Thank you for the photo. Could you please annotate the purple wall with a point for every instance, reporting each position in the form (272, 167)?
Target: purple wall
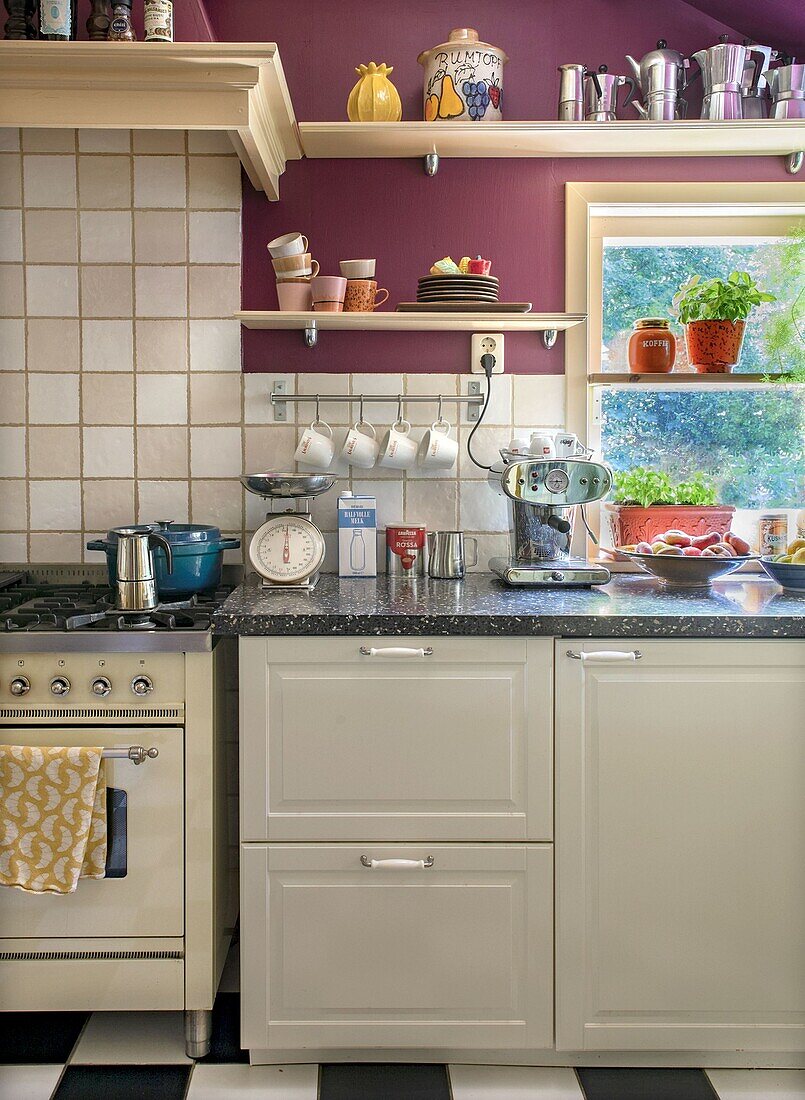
(511, 211)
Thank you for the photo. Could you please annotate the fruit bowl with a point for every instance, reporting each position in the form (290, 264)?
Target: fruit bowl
(677, 571)
(788, 574)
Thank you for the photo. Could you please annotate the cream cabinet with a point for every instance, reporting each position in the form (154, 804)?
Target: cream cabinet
(681, 845)
(425, 946)
(390, 739)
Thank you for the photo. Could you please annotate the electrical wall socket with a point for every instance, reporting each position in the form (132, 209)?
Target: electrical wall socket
(487, 343)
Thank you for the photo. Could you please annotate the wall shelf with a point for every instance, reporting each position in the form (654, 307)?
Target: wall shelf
(632, 138)
(681, 378)
(231, 87)
(311, 323)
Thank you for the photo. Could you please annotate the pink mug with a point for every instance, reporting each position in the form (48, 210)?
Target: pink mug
(328, 293)
(294, 297)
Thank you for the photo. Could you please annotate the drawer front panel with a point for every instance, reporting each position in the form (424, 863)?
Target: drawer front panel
(397, 954)
(456, 746)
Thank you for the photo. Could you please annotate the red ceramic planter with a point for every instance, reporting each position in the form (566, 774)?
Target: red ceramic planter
(714, 347)
(632, 524)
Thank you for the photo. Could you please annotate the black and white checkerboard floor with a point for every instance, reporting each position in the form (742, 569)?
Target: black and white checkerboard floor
(140, 1056)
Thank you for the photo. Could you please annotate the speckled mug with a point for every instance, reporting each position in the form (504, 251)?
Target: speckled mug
(362, 296)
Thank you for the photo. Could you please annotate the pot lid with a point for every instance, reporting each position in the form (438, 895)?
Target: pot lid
(177, 534)
(462, 36)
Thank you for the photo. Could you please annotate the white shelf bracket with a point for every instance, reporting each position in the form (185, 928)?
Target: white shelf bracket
(431, 164)
(793, 162)
(549, 337)
(311, 335)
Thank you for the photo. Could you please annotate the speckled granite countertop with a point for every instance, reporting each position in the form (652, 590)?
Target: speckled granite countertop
(627, 607)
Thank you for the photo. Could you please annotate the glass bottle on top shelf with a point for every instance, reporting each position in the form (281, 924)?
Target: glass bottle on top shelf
(121, 29)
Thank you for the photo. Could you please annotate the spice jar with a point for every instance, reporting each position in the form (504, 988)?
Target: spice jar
(652, 346)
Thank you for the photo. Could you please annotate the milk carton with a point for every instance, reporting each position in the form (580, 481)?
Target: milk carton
(357, 536)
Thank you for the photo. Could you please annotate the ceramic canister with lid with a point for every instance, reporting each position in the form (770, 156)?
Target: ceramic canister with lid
(652, 346)
(463, 79)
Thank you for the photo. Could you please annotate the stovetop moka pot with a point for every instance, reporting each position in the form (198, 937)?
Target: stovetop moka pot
(135, 582)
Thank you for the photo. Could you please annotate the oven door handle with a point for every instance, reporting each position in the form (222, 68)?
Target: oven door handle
(137, 754)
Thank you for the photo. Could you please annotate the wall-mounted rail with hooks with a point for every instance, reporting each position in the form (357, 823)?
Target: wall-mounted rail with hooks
(279, 399)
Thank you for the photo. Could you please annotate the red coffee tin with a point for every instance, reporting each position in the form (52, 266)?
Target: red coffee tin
(406, 549)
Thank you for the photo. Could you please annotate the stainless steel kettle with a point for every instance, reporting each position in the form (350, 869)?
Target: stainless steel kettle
(661, 77)
(135, 582)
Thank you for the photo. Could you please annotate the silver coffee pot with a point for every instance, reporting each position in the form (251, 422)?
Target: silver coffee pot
(661, 77)
(754, 87)
(787, 86)
(601, 94)
(722, 69)
(571, 92)
(135, 581)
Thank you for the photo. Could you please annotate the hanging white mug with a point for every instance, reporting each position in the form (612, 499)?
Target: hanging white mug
(398, 450)
(437, 451)
(316, 447)
(360, 447)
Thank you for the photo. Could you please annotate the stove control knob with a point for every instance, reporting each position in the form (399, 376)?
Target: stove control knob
(142, 685)
(557, 575)
(60, 685)
(101, 686)
(20, 685)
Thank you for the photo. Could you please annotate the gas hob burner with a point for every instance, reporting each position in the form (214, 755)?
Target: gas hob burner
(32, 608)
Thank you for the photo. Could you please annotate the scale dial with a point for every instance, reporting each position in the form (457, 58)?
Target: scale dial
(287, 549)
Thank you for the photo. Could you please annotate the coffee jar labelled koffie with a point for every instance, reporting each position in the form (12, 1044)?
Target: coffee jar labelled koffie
(652, 346)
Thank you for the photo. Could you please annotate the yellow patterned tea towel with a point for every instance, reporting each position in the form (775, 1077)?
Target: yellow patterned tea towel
(52, 817)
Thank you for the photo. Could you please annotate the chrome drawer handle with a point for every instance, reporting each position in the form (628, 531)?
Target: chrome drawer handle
(137, 754)
(606, 656)
(396, 651)
(397, 864)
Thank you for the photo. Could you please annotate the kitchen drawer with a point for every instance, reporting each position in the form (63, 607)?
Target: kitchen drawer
(458, 954)
(414, 739)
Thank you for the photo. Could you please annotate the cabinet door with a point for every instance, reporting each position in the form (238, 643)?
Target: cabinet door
(681, 846)
(396, 739)
(457, 954)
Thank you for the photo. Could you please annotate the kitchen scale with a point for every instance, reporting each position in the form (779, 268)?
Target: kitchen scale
(287, 551)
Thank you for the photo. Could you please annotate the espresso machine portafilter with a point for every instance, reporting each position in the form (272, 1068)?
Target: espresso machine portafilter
(543, 495)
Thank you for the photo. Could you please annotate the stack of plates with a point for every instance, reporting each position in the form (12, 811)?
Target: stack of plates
(457, 288)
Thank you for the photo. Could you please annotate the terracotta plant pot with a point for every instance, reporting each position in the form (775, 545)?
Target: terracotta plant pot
(632, 524)
(714, 347)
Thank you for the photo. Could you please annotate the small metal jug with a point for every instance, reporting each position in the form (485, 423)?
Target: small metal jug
(446, 559)
(136, 585)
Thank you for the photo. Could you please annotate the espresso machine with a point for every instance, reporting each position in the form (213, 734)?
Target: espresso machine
(543, 495)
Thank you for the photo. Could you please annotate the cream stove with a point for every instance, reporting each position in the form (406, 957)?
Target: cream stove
(161, 699)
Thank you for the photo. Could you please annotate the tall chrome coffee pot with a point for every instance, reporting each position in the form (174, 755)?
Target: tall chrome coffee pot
(135, 581)
(722, 68)
(571, 92)
(754, 87)
(787, 85)
(661, 77)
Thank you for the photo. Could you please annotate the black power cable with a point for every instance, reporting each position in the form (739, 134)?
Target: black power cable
(488, 363)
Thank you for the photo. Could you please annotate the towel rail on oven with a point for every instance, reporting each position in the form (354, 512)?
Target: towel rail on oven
(137, 754)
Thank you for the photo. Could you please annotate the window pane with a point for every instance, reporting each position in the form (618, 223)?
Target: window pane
(640, 280)
(751, 441)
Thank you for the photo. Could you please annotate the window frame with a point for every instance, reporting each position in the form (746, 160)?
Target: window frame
(672, 205)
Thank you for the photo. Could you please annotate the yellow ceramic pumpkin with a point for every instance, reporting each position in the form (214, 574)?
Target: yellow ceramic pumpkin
(374, 98)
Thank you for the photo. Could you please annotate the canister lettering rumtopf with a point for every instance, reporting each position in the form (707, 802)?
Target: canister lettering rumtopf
(405, 549)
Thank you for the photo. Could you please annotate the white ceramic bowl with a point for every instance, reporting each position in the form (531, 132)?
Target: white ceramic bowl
(358, 269)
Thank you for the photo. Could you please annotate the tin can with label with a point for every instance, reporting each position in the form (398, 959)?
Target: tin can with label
(406, 549)
(158, 19)
(773, 533)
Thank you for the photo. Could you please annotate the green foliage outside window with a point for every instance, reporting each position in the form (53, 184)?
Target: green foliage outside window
(750, 442)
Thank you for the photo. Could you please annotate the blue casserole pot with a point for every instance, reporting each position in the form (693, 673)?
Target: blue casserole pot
(198, 552)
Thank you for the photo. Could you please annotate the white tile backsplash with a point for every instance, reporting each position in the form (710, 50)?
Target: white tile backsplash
(122, 299)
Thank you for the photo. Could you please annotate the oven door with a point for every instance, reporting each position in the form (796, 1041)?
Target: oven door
(143, 893)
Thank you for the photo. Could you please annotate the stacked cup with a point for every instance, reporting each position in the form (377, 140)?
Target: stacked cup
(361, 293)
(294, 269)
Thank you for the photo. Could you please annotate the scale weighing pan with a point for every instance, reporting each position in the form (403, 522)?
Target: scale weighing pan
(277, 485)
